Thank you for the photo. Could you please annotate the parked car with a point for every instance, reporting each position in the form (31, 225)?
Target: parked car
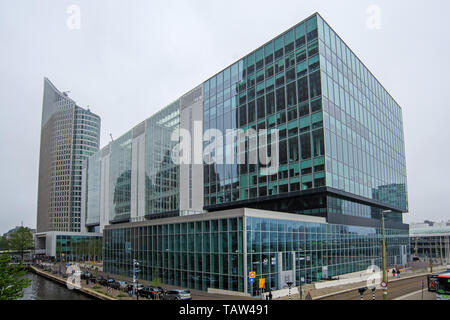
(110, 282)
(149, 292)
(139, 286)
(123, 285)
(146, 292)
(101, 281)
(161, 290)
(86, 275)
(177, 295)
(93, 278)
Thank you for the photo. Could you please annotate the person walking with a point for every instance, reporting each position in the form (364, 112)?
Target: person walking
(398, 273)
(393, 272)
(270, 295)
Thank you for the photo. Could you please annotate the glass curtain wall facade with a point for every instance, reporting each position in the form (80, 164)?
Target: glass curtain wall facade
(78, 248)
(197, 255)
(110, 171)
(162, 175)
(309, 247)
(275, 87)
(85, 144)
(93, 194)
(365, 152)
(340, 132)
(219, 253)
(120, 178)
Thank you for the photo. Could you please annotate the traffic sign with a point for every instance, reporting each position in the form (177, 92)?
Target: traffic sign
(252, 274)
(252, 280)
(384, 284)
(262, 282)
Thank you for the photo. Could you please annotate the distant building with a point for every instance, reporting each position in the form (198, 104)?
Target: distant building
(430, 239)
(69, 135)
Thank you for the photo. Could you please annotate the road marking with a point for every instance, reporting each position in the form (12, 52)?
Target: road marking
(408, 295)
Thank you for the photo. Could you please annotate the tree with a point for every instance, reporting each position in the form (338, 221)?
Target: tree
(21, 240)
(12, 281)
(4, 244)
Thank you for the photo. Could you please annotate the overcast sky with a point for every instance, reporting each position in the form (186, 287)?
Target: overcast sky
(129, 59)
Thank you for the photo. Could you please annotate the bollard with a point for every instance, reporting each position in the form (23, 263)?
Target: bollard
(361, 292)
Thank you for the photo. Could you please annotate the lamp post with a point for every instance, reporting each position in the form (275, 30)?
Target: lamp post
(385, 276)
(302, 279)
(135, 265)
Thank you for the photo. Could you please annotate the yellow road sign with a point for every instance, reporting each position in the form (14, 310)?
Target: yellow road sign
(262, 282)
(252, 274)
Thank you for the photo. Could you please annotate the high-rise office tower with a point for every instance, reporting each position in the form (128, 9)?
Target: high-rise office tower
(341, 167)
(69, 134)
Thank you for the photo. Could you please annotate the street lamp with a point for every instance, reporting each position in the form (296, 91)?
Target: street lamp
(135, 265)
(302, 279)
(385, 276)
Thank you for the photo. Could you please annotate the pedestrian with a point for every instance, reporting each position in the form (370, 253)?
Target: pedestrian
(270, 295)
(398, 273)
(393, 272)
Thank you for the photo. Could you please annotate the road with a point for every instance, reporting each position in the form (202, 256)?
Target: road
(419, 295)
(396, 289)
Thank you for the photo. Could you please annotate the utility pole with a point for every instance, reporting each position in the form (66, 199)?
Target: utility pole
(385, 276)
(440, 245)
(301, 289)
(448, 250)
(431, 256)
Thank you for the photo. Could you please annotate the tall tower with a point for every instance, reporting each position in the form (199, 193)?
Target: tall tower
(69, 134)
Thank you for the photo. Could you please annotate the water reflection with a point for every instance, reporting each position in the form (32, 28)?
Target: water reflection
(44, 289)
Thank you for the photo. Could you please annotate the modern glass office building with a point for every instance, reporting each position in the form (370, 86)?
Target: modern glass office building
(218, 250)
(341, 165)
(341, 144)
(133, 177)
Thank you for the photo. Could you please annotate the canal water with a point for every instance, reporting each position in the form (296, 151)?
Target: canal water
(43, 289)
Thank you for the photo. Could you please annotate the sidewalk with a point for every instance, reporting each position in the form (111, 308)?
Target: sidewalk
(329, 291)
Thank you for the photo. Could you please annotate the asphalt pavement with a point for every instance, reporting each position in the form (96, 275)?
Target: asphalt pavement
(396, 289)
